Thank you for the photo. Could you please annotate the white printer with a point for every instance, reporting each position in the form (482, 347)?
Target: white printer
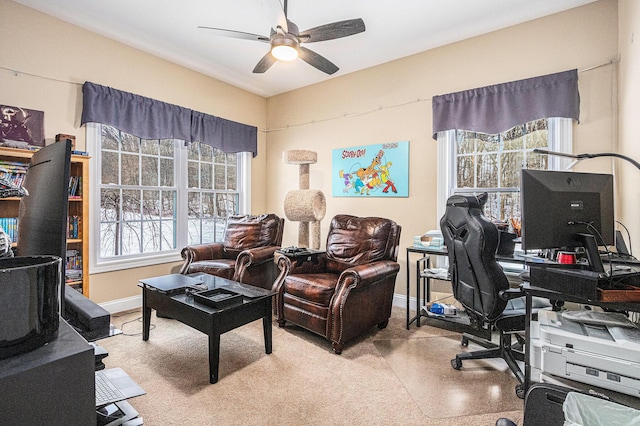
(598, 348)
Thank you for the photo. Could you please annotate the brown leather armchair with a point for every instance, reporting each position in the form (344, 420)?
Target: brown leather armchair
(245, 255)
(345, 291)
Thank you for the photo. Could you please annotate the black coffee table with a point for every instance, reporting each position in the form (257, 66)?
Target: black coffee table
(254, 304)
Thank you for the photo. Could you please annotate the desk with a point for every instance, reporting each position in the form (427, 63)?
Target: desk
(51, 385)
(425, 262)
(426, 282)
(531, 291)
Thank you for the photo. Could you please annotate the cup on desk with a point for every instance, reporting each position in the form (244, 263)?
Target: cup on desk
(566, 257)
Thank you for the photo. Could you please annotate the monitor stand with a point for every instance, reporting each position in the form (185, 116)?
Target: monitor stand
(593, 255)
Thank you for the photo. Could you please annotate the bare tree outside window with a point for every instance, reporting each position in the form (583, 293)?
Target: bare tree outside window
(492, 163)
(139, 193)
(212, 192)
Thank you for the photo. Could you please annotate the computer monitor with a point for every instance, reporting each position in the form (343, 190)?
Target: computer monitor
(567, 209)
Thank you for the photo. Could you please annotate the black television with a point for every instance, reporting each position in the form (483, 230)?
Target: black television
(567, 210)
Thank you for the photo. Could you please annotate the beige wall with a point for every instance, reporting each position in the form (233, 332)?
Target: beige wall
(629, 113)
(54, 58)
(579, 38)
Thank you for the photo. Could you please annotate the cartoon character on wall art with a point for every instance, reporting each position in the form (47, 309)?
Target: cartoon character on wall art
(380, 170)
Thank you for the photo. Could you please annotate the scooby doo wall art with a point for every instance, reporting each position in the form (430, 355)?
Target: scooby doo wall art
(380, 170)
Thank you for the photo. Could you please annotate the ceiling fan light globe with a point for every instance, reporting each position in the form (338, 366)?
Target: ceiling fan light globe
(284, 53)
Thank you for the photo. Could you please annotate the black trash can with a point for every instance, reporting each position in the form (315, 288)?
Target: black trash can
(29, 302)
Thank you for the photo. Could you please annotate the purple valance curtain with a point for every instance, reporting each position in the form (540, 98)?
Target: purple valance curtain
(152, 119)
(495, 109)
(226, 135)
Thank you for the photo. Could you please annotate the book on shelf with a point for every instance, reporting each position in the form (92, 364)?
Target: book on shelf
(75, 226)
(10, 226)
(75, 185)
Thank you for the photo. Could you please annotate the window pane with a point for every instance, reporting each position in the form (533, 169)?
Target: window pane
(151, 205)
(109, 168)
(167, 148)
(466, 175)
(487, 171)
(130, 143)
(149, 146)
(109, 205)
(511, 163)
(131, 237)
(193, 205)
(168, 239)
(130, 169)
(206, 153)
(193, 175)
(193, 230)
(151, 236)
(149, 171)
(206, 181)
(110, 137)
(168, 204)
(232, 179)
(108, 239)
(194, 151)
(220, 177)
(166, 172)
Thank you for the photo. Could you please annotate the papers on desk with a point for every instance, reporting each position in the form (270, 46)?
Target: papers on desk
(436, 273)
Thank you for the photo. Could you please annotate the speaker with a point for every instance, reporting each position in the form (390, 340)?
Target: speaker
(90, 319)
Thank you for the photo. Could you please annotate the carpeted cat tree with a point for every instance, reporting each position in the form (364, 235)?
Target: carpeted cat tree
(307, 206)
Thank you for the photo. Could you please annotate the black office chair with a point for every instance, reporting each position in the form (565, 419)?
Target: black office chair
(481, 286)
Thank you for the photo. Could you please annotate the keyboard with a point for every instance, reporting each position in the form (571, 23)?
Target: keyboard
(106, 392)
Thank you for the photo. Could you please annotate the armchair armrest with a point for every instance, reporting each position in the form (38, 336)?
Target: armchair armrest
(364, 275)
(200, 252)
(253, 256)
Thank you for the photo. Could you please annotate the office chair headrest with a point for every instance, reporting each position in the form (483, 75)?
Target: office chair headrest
(471, 201)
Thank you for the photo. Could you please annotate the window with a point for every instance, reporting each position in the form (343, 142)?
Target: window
(150, 198)
(212, 192)
(472, 163)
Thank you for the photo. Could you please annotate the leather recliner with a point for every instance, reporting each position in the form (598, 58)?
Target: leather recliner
(245, 255)
(345, 291)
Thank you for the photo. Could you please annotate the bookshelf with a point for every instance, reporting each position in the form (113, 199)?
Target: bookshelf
(77, 269)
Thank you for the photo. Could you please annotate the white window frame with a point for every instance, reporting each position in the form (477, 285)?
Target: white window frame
(97, 265)
(559, 134)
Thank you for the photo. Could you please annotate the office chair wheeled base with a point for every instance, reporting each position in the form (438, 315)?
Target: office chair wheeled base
(504, 350)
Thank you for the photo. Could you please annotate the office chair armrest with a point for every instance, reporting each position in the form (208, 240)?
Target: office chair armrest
(511, 293)
(200, 252)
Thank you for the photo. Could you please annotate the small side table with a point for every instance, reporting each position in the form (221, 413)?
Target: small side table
(300, 254)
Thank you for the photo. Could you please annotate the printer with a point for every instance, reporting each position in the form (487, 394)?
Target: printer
(598, 348)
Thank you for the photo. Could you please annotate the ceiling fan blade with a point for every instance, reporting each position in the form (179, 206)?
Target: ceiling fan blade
(276, 13)
(236, 34)
(332, 31)
(264, 63)
(317, 61)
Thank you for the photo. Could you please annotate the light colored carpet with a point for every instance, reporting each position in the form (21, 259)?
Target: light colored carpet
(387, 377)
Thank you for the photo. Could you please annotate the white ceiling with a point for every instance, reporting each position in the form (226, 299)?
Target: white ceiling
(394, 29)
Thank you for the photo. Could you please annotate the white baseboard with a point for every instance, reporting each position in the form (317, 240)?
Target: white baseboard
(122, 305)
(134, 302)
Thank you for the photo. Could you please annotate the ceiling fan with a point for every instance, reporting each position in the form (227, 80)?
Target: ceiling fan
(286, 40)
